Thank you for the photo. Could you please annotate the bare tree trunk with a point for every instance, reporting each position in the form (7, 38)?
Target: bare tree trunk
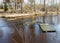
(57, 7)
(15, 6)
(40, 4)
(44, 14)
(57, 11)
(31, 7)
(21, 8)
(34, 6)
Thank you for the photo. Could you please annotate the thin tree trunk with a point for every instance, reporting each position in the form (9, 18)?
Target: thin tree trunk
(21, 8)
(40, 4)
(44, 5)
(31, 7)
(57, 11)
(57, 7)
(44, 14)
(15, 5)
(34, 6)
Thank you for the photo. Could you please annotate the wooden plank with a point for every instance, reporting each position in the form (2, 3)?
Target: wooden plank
(47, 28)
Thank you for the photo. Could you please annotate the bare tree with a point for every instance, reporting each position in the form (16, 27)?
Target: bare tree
(21, 2)
(32, 3)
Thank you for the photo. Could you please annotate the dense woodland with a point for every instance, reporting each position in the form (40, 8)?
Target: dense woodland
(31, 5)
(20, 6)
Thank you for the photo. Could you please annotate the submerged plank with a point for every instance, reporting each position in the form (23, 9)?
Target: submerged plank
(47, 28)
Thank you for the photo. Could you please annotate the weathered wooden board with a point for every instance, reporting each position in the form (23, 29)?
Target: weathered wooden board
(47, 28)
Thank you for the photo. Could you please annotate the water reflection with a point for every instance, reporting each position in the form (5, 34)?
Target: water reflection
(57, 35)
(5, 30)
(37, 30)
(57, 27)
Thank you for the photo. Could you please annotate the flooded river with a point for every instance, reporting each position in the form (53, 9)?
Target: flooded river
(17, 32)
